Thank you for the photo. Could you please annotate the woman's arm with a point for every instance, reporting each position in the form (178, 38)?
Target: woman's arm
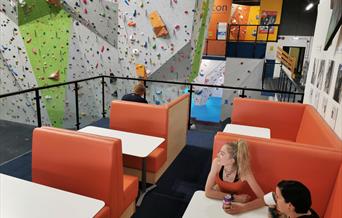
(210, 192)
(257, 203)
(254, 185)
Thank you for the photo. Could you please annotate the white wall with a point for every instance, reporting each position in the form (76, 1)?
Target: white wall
(316, 92)
(292, 41)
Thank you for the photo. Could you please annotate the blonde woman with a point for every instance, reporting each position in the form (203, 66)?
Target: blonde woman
(231, 174)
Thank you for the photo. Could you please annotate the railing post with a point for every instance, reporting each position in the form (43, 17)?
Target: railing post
(301, 99)
(76, 103)
(39, 117)
(145, 84)
(227, 41)
(268, 32)
(288, 95)
(255, 41)
(189, 115)
(103, 98)
(263, 75)
(237, 42)
(243, 94)
(294, 95)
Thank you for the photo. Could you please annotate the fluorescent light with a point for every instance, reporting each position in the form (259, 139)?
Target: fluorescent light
(309, 6)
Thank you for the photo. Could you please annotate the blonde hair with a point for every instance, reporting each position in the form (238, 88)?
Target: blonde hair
(139, 88)
(239, 151)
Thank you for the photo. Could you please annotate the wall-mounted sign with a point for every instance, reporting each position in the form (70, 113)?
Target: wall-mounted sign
(221, 31)
(267, 18)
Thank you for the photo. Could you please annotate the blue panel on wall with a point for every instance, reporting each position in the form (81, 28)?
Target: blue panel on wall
(246, 50)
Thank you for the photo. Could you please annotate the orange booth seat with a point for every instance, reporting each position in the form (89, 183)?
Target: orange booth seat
(84, 164)
(320, 170)
(293, 123)
(168, 121)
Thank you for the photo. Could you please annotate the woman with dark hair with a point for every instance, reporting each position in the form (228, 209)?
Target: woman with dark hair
(293, 199)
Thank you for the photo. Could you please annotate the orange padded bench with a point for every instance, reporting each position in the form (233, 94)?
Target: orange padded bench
(320, 170)
(84, 164)
(292, 123)
(168, 121)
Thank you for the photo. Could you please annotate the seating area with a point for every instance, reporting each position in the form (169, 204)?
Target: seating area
(84, 164)
(319, 170)
(169, 121)
(292, 124)
(95, 165)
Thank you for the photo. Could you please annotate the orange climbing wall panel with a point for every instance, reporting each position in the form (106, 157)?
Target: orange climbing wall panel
(140, 70)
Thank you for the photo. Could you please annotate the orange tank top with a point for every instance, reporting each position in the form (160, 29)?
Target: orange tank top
(236, 187)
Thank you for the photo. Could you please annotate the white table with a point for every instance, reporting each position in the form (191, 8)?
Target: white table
(20, 198)
(202, 207)
(133, 144)
(248, 130)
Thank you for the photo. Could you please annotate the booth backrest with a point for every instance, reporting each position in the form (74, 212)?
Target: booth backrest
(178, 116)
(86, 165)
(139, 118)
(272, 163)
(163, 121)
(283, 119)
(334, 207)
(315, 131)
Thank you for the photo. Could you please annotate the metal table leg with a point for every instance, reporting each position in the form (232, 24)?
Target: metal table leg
(144, 190)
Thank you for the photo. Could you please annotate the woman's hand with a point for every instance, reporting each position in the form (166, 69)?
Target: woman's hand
(243, 198)
(233, 208)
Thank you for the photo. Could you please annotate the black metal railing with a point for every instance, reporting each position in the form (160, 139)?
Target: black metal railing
(232, 38)
(266, 68)
(287, 84)
(37, 90)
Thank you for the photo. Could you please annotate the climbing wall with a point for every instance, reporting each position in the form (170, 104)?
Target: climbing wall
(175, 69)
(89, 56)
(99, 16)
(201, 20)
(241, 72)
(73, 40)
(165, 57)
(10, 9)
(16, 75)
(46, 40)
(211, 73)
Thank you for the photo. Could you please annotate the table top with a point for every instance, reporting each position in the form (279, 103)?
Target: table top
(20, 198)
(202, 207)
(137, 145)
(248, 130)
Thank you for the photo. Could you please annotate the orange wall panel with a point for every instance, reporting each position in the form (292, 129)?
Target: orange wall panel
(220, 13)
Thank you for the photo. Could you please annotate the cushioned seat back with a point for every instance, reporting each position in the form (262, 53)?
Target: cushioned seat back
(274, 162)
(283, 119)
(334, 208)
(139, 118)
(86, 165)
(314, 130)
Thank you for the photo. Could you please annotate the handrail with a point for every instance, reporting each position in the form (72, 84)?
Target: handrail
(286, 59)
(102, 77)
